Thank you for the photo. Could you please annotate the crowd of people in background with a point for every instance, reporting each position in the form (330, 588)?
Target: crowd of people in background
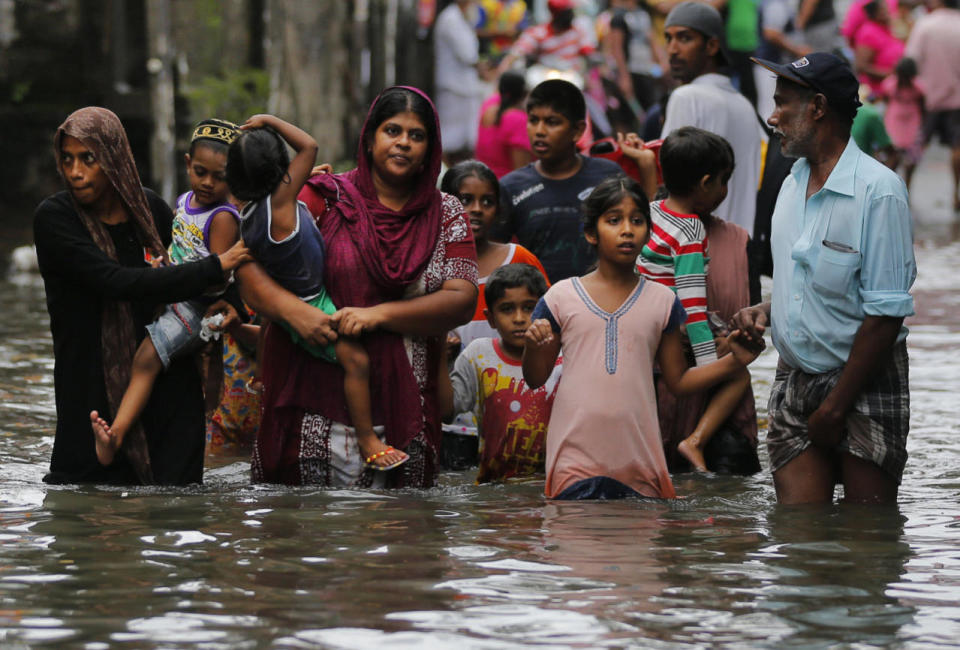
(556, 260)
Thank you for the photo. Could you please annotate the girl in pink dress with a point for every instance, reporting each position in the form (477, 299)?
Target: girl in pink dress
(904, 115)
(614, 327)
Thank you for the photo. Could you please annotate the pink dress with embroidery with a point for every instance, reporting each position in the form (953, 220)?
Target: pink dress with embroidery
(604, 419)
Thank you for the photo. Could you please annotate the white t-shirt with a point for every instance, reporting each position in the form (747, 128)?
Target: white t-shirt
(710, 102)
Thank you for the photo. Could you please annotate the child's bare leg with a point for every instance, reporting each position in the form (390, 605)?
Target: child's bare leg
(356, 387)
(721, 406)
(109, 438)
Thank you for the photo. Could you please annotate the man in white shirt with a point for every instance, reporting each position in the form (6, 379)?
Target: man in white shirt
(458, 90)
(694, 34)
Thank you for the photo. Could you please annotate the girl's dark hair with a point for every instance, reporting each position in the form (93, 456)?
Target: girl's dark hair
(512, 88)
(511, 276)
(871, 8)
(458, 173)
(257, 161)
(608, 194)
(906, 70)
(400, 100)
(688, 154)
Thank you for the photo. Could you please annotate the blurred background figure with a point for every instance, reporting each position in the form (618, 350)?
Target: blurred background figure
(876, 49)
(935, 45)
(818, 22)
(499, 23)
(502, 142)
(779, 42)
(458, 92)
(636, 60)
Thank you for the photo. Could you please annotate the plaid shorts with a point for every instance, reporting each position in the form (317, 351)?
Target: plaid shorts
(876, 427)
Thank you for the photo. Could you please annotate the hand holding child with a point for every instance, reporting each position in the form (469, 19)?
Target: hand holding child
(752, 321)
(744, 349)
(540, 332)
(354, 321)
(322, 168)
(234, 256)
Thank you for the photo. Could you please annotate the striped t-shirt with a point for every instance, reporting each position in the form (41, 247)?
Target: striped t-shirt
(676, 256)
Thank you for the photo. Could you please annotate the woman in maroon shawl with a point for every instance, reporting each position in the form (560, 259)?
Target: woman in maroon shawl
(401, 265)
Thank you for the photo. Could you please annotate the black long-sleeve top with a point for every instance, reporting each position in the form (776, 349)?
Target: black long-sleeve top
(77, 276)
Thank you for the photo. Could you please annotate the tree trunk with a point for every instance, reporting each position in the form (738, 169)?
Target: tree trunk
(308, 61)
(160, 67)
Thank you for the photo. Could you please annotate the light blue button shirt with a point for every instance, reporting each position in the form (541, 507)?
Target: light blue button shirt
(841, 255)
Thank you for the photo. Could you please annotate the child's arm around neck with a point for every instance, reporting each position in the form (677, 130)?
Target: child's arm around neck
(283, 201)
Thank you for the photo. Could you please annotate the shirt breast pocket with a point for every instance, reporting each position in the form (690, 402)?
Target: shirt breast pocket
(836, 267)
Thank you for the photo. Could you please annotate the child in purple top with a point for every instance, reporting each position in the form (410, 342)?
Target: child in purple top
(205, 224)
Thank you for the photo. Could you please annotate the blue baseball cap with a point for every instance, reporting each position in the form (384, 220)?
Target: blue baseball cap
(826, 73)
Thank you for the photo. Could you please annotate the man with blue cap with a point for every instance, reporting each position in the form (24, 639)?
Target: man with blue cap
(697, 53)
(842, 243)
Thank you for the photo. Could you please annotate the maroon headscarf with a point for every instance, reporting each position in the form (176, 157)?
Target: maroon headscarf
(373, 254)
(101, 131)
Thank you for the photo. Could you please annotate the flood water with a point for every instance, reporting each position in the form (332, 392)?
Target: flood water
(234, 565)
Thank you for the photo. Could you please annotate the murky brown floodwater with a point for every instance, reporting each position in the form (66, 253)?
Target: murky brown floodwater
(231, 565)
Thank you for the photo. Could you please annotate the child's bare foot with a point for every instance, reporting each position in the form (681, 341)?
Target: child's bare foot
(104, 440)
(689, 450)
(382, 457)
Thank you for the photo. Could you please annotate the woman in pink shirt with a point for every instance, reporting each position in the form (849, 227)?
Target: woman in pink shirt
(876, 49)
(502, 141)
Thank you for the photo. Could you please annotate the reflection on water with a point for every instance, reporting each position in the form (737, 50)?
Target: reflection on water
(234, 565)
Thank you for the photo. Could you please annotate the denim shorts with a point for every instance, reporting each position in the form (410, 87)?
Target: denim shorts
(177, 330)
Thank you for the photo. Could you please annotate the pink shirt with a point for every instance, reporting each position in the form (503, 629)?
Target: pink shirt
(604, 419)
(495, 142)
(935, 45)
(903, 117)
(887, 50)
(856, 17)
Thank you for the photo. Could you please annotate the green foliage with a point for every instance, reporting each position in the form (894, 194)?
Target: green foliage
(234, 96)
(20, 91)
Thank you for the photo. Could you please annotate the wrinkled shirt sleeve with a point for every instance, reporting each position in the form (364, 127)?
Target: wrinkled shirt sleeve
(889, 267)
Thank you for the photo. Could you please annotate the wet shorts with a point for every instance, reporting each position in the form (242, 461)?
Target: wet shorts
(876, 427)
(945, 124)
(324, 303)
(177, 330)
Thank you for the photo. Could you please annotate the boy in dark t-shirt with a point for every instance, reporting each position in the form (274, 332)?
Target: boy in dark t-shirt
(541, 201)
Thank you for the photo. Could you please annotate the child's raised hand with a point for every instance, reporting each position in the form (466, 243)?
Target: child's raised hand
(323, 168)
(744, 349)
(234, 256)
(257, 121)
(540, 332)
(632, 145)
